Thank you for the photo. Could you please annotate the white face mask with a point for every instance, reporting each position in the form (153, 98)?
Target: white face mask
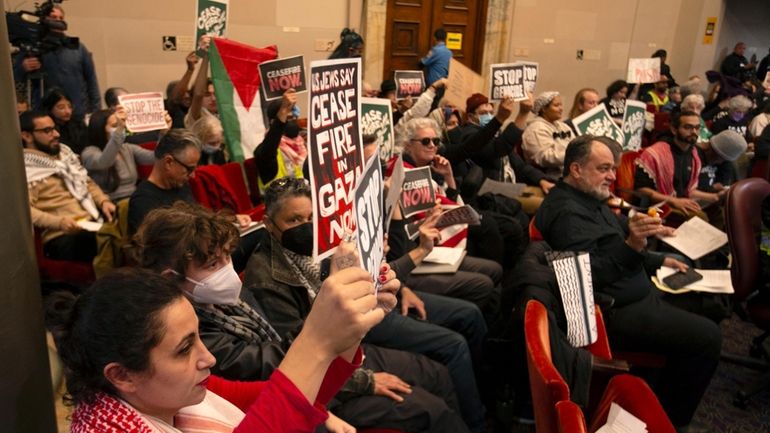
(223, 287)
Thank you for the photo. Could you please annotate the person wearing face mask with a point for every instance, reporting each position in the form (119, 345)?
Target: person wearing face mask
(209, 132)
(545, 139)
(111, 161)
(735, 118)
(282, 278)
(283, 151)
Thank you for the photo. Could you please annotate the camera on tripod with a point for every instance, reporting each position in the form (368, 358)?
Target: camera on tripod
(36, 33)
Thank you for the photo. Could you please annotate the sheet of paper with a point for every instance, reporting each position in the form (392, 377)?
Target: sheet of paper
(621, 421)
(444, 255)
(714, 281)
(252, 227)
(510, 190)
(696, 238)
(90, 226)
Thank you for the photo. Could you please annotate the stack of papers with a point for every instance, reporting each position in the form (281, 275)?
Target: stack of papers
(91, 226)
(714, 281)
(696, 238)
(442, 260)
(620, 421)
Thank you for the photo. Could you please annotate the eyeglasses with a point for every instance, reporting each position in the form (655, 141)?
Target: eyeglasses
(688, 127)
(189, 169)
(427, 140)
(48, 130)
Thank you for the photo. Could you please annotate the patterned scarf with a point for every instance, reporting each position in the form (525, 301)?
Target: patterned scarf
(308, 271)
(40, 166)
(294, 149)
(658, 162)
(108, 414)
(241, 320)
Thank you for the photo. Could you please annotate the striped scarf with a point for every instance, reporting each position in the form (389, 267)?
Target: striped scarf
(241, 320)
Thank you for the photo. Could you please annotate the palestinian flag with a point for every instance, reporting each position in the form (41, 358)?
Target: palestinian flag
(235, 76)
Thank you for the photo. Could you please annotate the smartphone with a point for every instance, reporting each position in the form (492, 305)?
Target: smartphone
(681, 279)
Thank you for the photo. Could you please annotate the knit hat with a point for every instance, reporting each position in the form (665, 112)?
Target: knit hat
(475, 101)
(728, 144)
(542, 101)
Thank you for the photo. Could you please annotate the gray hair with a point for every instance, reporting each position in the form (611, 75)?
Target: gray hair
(417, 124)
(205, 127)
(693, 102)
(175, 141)
(739, 103)
(691, 87)
(282, 189)
(579, 150)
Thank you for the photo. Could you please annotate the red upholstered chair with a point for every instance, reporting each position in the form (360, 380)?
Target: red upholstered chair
(79, 274)
(144, 170)
(624, 181)
(220, 186)
(545, 382)
(742, 224)
(759, 168)
(252, 176)
(570, 418)
(635, 396)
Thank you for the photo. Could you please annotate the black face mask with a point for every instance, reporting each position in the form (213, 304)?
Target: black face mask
(291, 129)
(299, 239)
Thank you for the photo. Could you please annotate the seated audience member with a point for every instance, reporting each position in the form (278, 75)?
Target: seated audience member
(617, 92)
(112, 97)
(674, 99)
(717, 171)
(176, 158)
(388, 91)
(210, 134)
(420, 108)
(178, 95)
(735, 118)
(575, 217)
(477, 279)
(585, 99)
(493, 151)
(204, 100)
(111, 161)
(134, 360)
(351, 45)
(657, 97)
(282, 278)
(695, 103)
(72, 131)
(669, 170)
(546, 138)
(60, 191)
(283, 151)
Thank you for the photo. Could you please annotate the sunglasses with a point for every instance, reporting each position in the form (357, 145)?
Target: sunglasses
(427, 141)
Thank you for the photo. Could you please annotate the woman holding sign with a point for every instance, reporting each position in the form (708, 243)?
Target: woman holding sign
(110, 161)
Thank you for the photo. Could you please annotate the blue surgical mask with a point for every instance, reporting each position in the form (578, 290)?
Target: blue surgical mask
(485, 118)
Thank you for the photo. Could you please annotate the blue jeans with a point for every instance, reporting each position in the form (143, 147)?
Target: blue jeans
(455, 328)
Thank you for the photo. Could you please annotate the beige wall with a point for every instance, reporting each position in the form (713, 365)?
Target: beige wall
(125, 37)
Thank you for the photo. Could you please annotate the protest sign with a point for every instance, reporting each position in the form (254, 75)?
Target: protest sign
(334, 149)
(368, 211)
(377, 120)
(211, 19)
(417, 193)
(144, 111)
(409, 83)
(280, 75)
(643, 70)
(633, 124)
(463, 82)
(394, 192)
(459, 215)
(597, 121)
(512, 80)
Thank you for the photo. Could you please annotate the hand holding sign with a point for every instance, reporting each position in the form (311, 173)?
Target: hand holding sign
(144, 111)
(505, 109)
(429, 234)
(120, 116)
(288, 101)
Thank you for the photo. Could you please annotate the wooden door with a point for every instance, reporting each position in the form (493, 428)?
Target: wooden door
(410, 27)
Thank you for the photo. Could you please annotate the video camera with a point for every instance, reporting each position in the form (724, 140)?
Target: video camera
(36, 33)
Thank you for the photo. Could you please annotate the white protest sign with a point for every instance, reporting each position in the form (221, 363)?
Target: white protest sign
(144, 111)
(369, 221)
(643, 70)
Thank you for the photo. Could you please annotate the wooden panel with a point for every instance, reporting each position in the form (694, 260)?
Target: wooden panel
(406, 39)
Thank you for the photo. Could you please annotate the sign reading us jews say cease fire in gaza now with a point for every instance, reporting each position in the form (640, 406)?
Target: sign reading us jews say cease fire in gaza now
(334, 149)
(277, 76)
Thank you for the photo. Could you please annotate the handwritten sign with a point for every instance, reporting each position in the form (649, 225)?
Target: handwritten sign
(369, 221)
(409, 83)
(144, 111)
(280, 75)
(377, 120)
(334, 149)
(417, 193)
(643, 70)
(211, 19)
(463, 82)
